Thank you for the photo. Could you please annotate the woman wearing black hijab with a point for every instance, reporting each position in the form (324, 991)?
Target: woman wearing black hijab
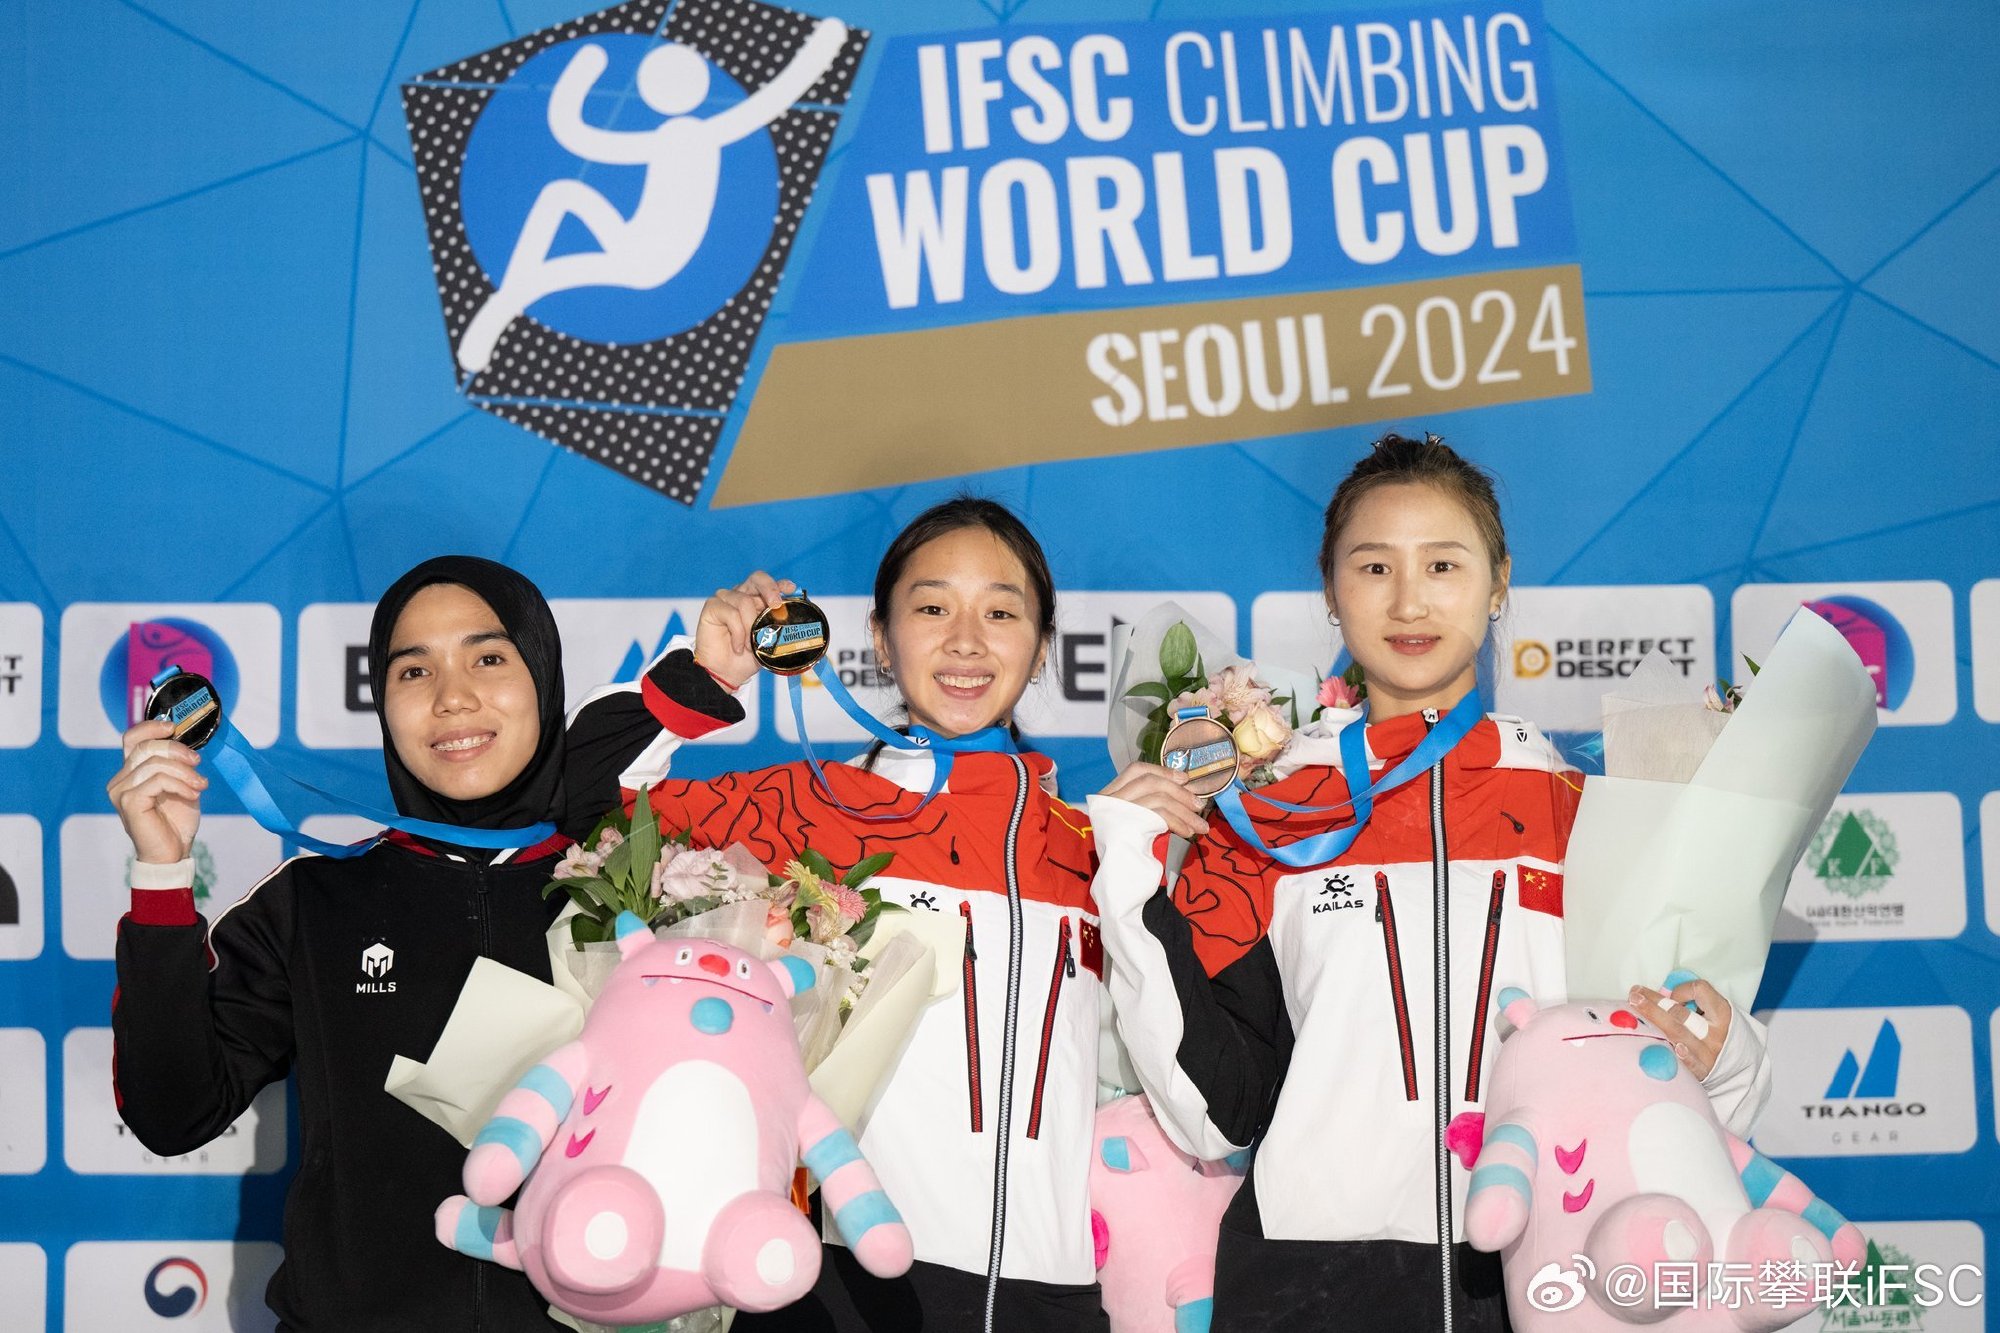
(334, 967)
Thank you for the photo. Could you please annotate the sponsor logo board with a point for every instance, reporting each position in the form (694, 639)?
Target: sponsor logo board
(1560, 650)
(190, 1286)
(21, 894)
(1902, 632)
(96, 1142)
(609, 641)
(1986, 649)
(21, 658)
(1869, 1082)
(24, 1285)
(111, 649)
(1919, 1277)
(24, 1102)
(231, 856)
(1883, 866)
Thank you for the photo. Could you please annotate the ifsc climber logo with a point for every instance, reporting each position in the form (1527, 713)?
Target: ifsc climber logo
(610, 204)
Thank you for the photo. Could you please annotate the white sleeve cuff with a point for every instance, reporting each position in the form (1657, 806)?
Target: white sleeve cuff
(176, 875)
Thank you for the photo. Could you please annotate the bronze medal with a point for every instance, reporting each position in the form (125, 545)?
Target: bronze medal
(1200, 748)
(187, 701)
(791, 637)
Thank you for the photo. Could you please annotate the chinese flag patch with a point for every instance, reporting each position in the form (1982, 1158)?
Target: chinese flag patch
(1539, 890)
(1091, 945)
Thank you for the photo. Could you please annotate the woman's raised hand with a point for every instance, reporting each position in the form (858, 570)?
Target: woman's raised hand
(722, 635)
(1165, 793)
(157, 794)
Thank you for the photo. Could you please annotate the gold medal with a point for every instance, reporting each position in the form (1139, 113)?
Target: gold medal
(791, 637)
(1200, 748)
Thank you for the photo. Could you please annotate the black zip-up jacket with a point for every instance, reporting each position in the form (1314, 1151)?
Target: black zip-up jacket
(331, 968)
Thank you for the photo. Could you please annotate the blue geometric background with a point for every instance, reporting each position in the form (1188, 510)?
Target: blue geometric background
(223, 377)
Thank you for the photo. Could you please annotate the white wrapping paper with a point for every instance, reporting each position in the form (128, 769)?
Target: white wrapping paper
(1664, 875)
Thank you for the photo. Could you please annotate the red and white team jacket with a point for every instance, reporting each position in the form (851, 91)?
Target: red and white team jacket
(1341, 1017)
(984, 1125)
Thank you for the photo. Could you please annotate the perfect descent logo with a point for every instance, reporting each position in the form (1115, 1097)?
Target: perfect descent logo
(611, 202)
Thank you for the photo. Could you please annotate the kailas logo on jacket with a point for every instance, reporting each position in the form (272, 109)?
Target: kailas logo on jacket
(1336, 892)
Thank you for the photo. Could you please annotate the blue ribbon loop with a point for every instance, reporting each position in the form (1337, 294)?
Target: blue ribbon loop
(943, 749)
(1454, 727)
(251, 778)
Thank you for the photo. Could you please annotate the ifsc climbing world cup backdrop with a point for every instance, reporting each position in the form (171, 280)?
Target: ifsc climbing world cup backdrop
(639, 299)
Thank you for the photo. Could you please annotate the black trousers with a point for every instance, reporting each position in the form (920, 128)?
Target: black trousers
(930, 1298)
(1373, 1285)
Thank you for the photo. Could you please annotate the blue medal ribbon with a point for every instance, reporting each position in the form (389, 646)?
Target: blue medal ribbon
(251, 779)
(1322, 848)
(943, 749)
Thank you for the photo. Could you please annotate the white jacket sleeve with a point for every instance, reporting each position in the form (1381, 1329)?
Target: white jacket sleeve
(1140, 979)
(1740, 1083)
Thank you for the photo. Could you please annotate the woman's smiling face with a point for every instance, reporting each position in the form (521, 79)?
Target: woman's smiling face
(962, 636)
(1413, 587)
(460, 703)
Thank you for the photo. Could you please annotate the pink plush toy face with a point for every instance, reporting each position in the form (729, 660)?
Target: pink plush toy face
(1595, 1042)
(719, 989)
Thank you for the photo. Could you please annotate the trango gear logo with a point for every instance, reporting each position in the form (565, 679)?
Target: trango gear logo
(1878, 639)
(1872, 1083)
(573, 181)
(175, 1288)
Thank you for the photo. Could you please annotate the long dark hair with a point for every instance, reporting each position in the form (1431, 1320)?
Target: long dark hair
(953, 515)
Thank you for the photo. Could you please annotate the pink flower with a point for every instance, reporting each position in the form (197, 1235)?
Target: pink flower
(837, 908)
(691, 874)
(577, 863)
(607, 840)
(1202, 698)
(1238, 692)
(1337, 693)
(778, 926)
(1262, 733)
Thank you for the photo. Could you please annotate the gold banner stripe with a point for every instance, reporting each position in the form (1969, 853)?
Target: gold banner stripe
(850, 414)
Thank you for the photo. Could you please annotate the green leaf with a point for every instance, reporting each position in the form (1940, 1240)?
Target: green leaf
(819, 865)
(1754, 668)
(862, 930)
(1150, 740)
(873, 865)
(587, 929)
(644, 839)
(618, 867)
(1178, 653)
(1150, 689)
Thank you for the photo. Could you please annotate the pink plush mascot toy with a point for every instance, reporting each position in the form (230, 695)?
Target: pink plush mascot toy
(680, 1112)
(1154, 1211)
(1602, 1156)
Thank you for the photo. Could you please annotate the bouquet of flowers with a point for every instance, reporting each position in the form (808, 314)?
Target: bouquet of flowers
(1259, 719)
(628, 865)
(1681, 851)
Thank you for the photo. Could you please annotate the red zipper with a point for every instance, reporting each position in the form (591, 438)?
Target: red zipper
(1486, 958)
(1065, 967)
(1385, 912)
(971, 986)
